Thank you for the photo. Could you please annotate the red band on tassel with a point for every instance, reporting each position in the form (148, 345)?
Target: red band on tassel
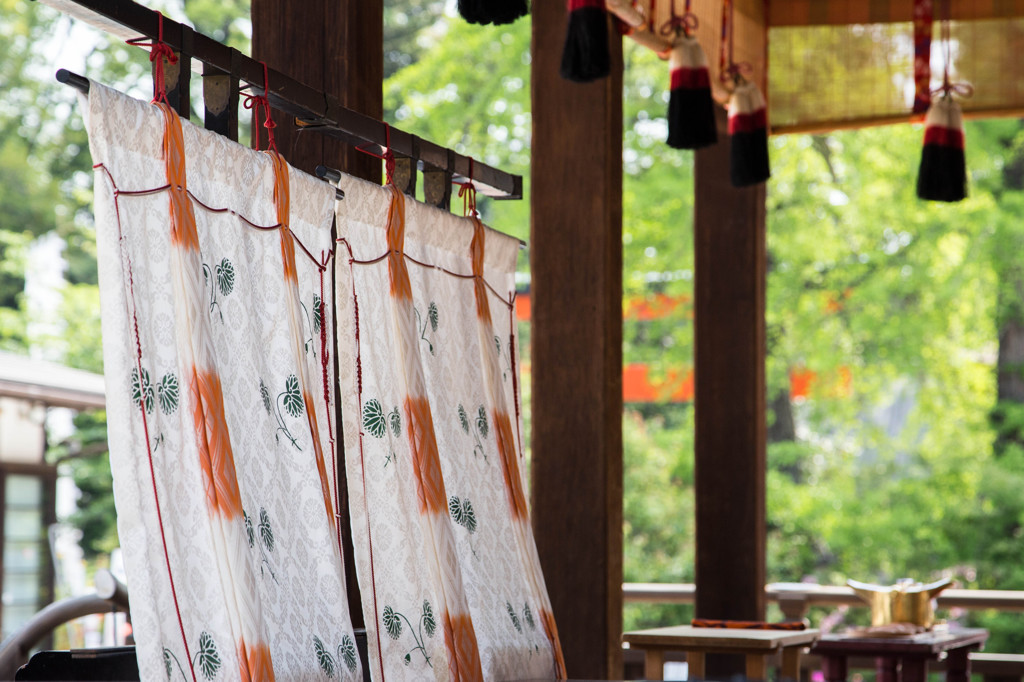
(944, 137)
(690, 79)
(748, 123)
(583, 4)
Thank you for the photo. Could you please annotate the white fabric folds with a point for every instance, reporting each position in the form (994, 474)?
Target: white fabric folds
(214, 286)
(450, 581)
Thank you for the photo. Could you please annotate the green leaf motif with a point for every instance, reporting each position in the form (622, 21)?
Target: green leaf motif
(515, 619)
(225, 277)
(468, 515)
(317, 313)
(167, 663)
(209, 659)
(462, 513)
(463, 418)
(528, 616)
(325, 660)
(348, 653)
(497, 344)
(167, 393)
(373, 418)
(455, 509)
(408, 659)
(429, 624)
(391, 623)
(142, 391)
(395, 419)
(432, 315)
(481, 422)
(249, 534)
(292, 396)
(266, 533)
(265, 396)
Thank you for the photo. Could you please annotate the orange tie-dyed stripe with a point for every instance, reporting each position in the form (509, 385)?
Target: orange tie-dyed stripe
(551, 630)
(401, 287)
(461, 645)
(476, 252)
(510, 466)
(426, 461)
(506, 447)
(254, 664)
(216, 458)
(321, 465)
(282, 202)
(183, 221)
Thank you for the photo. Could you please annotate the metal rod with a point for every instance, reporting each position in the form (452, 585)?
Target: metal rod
(74, 80)
(320, 110)
(334, 175)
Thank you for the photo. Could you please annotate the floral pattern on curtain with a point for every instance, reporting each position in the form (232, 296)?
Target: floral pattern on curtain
(215, 286)
(450, 580)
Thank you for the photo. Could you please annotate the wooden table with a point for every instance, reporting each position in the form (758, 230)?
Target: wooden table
(902, 659)
(754, 645)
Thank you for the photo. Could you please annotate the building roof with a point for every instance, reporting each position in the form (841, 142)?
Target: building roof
(50, 383)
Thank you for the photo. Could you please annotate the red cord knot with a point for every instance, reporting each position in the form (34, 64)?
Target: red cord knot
(259, 103)
(387, 156)
(158, 52)
(736, 73)
(685, 23)
(467, 192)
(963, 90)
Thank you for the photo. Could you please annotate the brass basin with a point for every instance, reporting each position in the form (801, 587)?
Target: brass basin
(905, 602)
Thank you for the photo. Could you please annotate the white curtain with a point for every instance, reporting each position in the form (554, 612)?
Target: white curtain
(450, 582)
(214, 286)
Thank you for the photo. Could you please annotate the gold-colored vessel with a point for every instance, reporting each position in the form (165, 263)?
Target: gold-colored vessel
(905, 602)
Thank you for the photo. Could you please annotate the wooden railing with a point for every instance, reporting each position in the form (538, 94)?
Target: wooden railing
(794, 599)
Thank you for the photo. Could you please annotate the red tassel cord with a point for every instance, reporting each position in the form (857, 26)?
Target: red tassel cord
(586, 56)
(923, 18)
(159, 51)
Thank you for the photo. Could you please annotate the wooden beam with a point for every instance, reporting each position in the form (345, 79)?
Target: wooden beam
(729, 394)
(576, 260)
(335, 46)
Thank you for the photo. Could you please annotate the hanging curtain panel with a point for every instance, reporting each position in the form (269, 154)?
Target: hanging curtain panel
(449, 575)
(214, 286)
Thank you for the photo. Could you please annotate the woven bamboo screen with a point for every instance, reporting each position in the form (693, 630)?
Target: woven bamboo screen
(849, 63)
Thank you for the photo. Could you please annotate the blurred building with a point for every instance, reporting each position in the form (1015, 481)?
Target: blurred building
(28, 390)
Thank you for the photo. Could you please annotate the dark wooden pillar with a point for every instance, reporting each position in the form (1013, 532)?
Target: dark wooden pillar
(730, 395)
(331, 45)
(335, 46)
(576, 287)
